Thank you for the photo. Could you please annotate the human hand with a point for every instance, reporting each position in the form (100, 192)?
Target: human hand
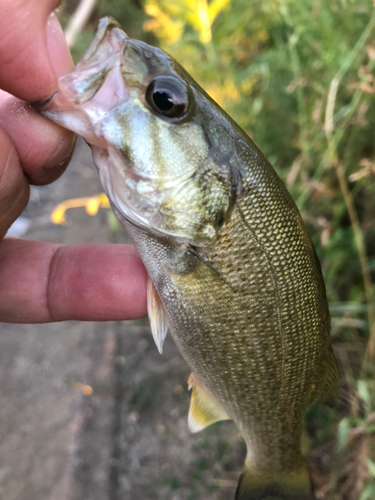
(42, 282)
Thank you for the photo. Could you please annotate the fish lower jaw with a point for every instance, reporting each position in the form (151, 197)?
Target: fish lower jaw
(60, 109)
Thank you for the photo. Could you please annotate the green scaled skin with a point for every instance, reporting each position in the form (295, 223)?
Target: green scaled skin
(234, 272)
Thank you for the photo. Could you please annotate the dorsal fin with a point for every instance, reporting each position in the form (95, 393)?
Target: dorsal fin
(204, 409)
(157, 316)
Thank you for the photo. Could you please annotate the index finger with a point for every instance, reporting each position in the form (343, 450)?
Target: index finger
(43, 282)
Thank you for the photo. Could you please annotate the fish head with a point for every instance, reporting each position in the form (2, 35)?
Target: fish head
(154, 135)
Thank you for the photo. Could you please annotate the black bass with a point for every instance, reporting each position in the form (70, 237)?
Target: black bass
(233, 272)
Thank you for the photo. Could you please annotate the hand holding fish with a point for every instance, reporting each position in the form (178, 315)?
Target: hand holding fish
(40, 281)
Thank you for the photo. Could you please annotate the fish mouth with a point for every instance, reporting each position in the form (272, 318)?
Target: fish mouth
(109, 39)
(94, 87)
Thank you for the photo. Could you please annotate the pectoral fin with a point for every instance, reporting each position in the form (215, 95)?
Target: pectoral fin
(204, 409)
(157, 316)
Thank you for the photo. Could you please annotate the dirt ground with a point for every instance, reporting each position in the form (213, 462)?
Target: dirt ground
(92, 410)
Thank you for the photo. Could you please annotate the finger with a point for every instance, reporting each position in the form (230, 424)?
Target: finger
(14, 188)
(43, 282)
(33, 50)
(43, 147)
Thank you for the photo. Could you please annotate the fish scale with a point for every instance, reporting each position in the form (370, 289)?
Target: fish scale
(233, 271)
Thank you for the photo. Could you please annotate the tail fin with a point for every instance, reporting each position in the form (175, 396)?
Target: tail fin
(294, 485)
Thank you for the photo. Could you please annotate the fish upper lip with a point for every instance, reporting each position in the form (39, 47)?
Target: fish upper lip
(106, 24)
(109, 34)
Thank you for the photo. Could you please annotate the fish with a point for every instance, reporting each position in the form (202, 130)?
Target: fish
(233, 273)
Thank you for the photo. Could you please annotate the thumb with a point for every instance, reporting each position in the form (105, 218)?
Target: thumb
(33, 50)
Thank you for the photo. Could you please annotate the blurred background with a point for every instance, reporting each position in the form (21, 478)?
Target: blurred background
(100, 415)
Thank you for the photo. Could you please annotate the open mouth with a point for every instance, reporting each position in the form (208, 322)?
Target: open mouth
(94, 87)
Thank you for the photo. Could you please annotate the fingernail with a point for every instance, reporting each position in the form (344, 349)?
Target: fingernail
(58, 50)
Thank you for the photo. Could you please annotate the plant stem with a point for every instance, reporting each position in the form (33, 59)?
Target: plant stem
(78, 20)
(369, 357)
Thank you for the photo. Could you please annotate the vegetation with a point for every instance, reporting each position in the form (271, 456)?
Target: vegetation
(298, 76)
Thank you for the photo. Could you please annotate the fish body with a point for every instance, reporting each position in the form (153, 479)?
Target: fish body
(234, 274)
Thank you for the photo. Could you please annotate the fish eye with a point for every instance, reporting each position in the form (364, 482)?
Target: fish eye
(167, 96)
